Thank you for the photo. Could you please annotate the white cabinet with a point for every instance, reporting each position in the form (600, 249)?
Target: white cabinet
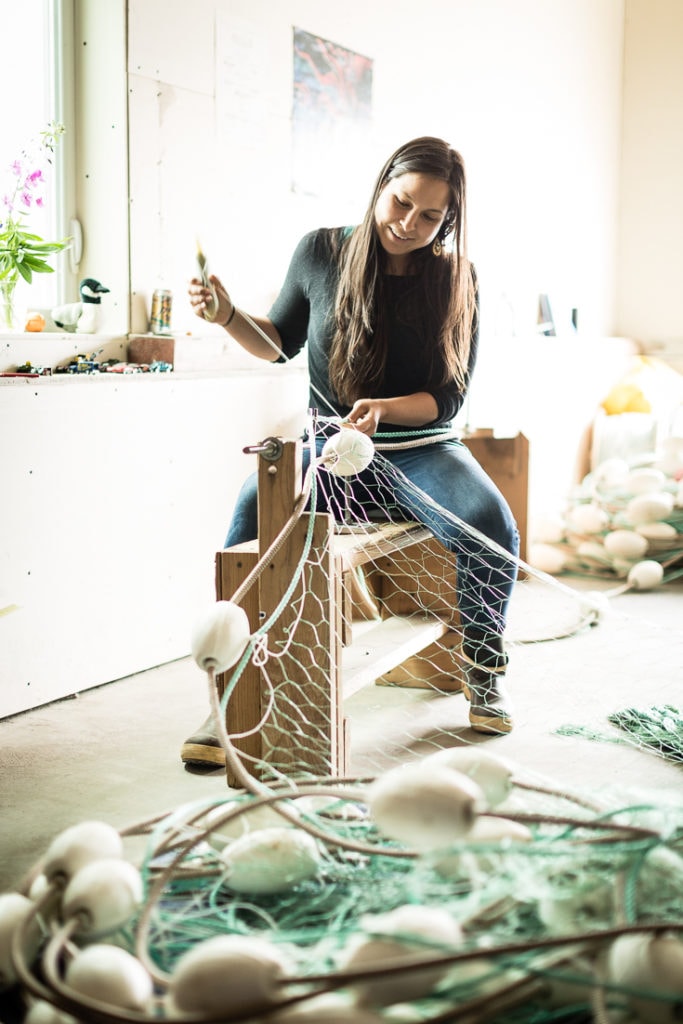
(116, 493)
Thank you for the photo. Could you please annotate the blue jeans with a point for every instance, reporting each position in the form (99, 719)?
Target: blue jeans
(438, 485)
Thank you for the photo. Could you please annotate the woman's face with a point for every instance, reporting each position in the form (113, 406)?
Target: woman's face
(409, 211)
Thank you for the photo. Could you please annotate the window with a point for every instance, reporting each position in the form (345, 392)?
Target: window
(36, 82)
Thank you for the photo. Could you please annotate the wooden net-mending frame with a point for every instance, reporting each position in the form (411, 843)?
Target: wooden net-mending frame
(286, 714)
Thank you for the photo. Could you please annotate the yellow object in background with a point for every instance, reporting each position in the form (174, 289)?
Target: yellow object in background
(643, 387)
(626, 398)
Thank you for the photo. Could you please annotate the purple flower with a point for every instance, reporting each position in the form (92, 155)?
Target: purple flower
(26, 192)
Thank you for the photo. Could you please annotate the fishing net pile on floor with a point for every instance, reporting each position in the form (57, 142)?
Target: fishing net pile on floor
(436, 882)
(451, 889)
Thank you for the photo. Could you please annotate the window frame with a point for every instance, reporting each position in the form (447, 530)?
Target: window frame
(61, 82)
(49, 97)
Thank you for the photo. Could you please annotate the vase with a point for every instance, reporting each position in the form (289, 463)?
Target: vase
(8, 310)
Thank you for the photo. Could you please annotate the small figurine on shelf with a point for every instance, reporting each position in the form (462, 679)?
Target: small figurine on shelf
(81, 316)
(82, 364)
(28, 370)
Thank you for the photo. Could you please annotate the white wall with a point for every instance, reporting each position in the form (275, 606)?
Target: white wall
(569, 114)
(650, 254)
(529, 92)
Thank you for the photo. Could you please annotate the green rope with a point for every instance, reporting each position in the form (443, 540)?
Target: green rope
(422, 432)
(586, 733)
(656, 729)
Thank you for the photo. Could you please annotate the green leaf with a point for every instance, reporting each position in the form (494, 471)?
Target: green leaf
(49, 246)
(35, 263)
(25, 271)
(40, 268)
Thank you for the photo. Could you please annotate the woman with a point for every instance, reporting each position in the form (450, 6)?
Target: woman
(389, 315)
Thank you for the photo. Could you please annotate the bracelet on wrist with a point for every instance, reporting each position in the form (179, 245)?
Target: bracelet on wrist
(229, 320)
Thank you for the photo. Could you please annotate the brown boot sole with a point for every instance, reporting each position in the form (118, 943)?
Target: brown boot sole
(497, 725)
(202, 755)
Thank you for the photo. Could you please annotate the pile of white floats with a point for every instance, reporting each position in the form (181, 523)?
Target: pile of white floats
(483, 893)
(622, 521)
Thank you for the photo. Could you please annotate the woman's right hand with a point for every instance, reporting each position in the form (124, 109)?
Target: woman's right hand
(212, 304)
(366, 415)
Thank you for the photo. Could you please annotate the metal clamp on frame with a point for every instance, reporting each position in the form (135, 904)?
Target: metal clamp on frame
(271, 449)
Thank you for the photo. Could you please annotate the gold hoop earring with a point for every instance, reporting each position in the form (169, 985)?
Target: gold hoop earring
(437, 246)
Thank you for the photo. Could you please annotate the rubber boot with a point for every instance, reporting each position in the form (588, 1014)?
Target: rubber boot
(202, 752)
(485, 666)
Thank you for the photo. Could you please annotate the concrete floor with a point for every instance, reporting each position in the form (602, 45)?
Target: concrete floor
(112, 753)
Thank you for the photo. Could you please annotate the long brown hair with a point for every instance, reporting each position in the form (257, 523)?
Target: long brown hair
(446, 293)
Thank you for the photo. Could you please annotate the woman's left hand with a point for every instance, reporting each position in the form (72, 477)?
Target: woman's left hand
(366, 415)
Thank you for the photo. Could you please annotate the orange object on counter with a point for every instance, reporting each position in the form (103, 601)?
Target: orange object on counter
(34, 322)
